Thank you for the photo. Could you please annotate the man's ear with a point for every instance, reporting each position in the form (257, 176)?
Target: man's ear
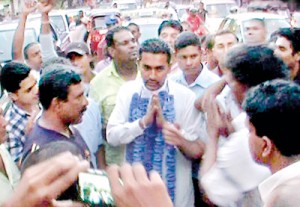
(297, 56)
(13, 96)
(55, 104)
(268, 146)
(111, 51)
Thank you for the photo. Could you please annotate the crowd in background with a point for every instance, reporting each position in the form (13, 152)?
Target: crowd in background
(189, 118)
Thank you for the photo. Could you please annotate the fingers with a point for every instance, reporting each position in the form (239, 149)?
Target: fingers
(51, 181)
(67, 177)
(140, 174)
(114, 177)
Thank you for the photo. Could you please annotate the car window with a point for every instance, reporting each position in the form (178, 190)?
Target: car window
(218, 10)
(99, 23)
(148, 31)
(6, 37)
(128, 6)
(59, 23)
(274, 24)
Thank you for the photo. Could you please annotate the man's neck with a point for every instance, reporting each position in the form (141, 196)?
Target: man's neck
(278, 162)
(27, 108)
(127, 70)
(88, 76)
(51, 121)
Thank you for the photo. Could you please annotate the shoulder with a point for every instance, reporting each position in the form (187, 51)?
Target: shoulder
(130, 87)
(180, 90)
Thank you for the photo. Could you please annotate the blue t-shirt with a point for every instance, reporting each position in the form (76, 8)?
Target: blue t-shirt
(40, 136)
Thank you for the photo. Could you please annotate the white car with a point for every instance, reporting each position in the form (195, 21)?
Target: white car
(217, 10)
(148, 27)
(235, 22)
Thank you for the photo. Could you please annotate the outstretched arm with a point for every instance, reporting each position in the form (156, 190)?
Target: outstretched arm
(41, 184)
(18, 41)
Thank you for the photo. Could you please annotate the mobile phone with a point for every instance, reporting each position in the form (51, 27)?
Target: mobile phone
(94, 188)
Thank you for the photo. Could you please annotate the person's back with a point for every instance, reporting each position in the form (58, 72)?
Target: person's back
(272, 108)
(246, 66)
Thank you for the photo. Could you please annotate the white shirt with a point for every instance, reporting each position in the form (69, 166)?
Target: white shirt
(282, 176)
(120, 131)
(234, 171)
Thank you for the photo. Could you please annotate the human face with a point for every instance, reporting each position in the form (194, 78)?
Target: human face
(135, 32)
(284, 50)
(34, 57)
(27, 95)
(189, 59)
(169, 35)
(3, 124)
(154, 69)
(72, 109)
(221, 45)
(125, 47)
(255, 32)
(82, 62)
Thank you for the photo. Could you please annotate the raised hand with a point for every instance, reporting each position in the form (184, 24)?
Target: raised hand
(45, 6)
(28, 7)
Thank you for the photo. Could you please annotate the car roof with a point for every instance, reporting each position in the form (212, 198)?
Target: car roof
(145, 21)
(252, 15)
(209, 2)
(102, 12)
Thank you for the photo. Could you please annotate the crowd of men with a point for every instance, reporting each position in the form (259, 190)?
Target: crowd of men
(179, 120)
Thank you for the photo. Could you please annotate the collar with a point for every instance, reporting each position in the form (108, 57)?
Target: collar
(147, 93)
(19, 111)
(203, 80)
(114, 72)
(283, 175)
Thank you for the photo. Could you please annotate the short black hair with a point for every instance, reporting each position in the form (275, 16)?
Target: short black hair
(56, 83)
(186, 39)
(273, 107)
(109, 38)
(155, 46)
(222, 32)
(170, 23)
(252, 65)
(133, 24)
(12, 74)
(292, 35)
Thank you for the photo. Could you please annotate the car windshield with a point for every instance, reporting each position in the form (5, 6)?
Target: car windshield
(218, 10)
(148, 31)
(99, 23)
(128, 6)
(274, 24)
(6, 37)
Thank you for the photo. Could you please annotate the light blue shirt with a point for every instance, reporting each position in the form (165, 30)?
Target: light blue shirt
(203, 81)
(90, 129)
